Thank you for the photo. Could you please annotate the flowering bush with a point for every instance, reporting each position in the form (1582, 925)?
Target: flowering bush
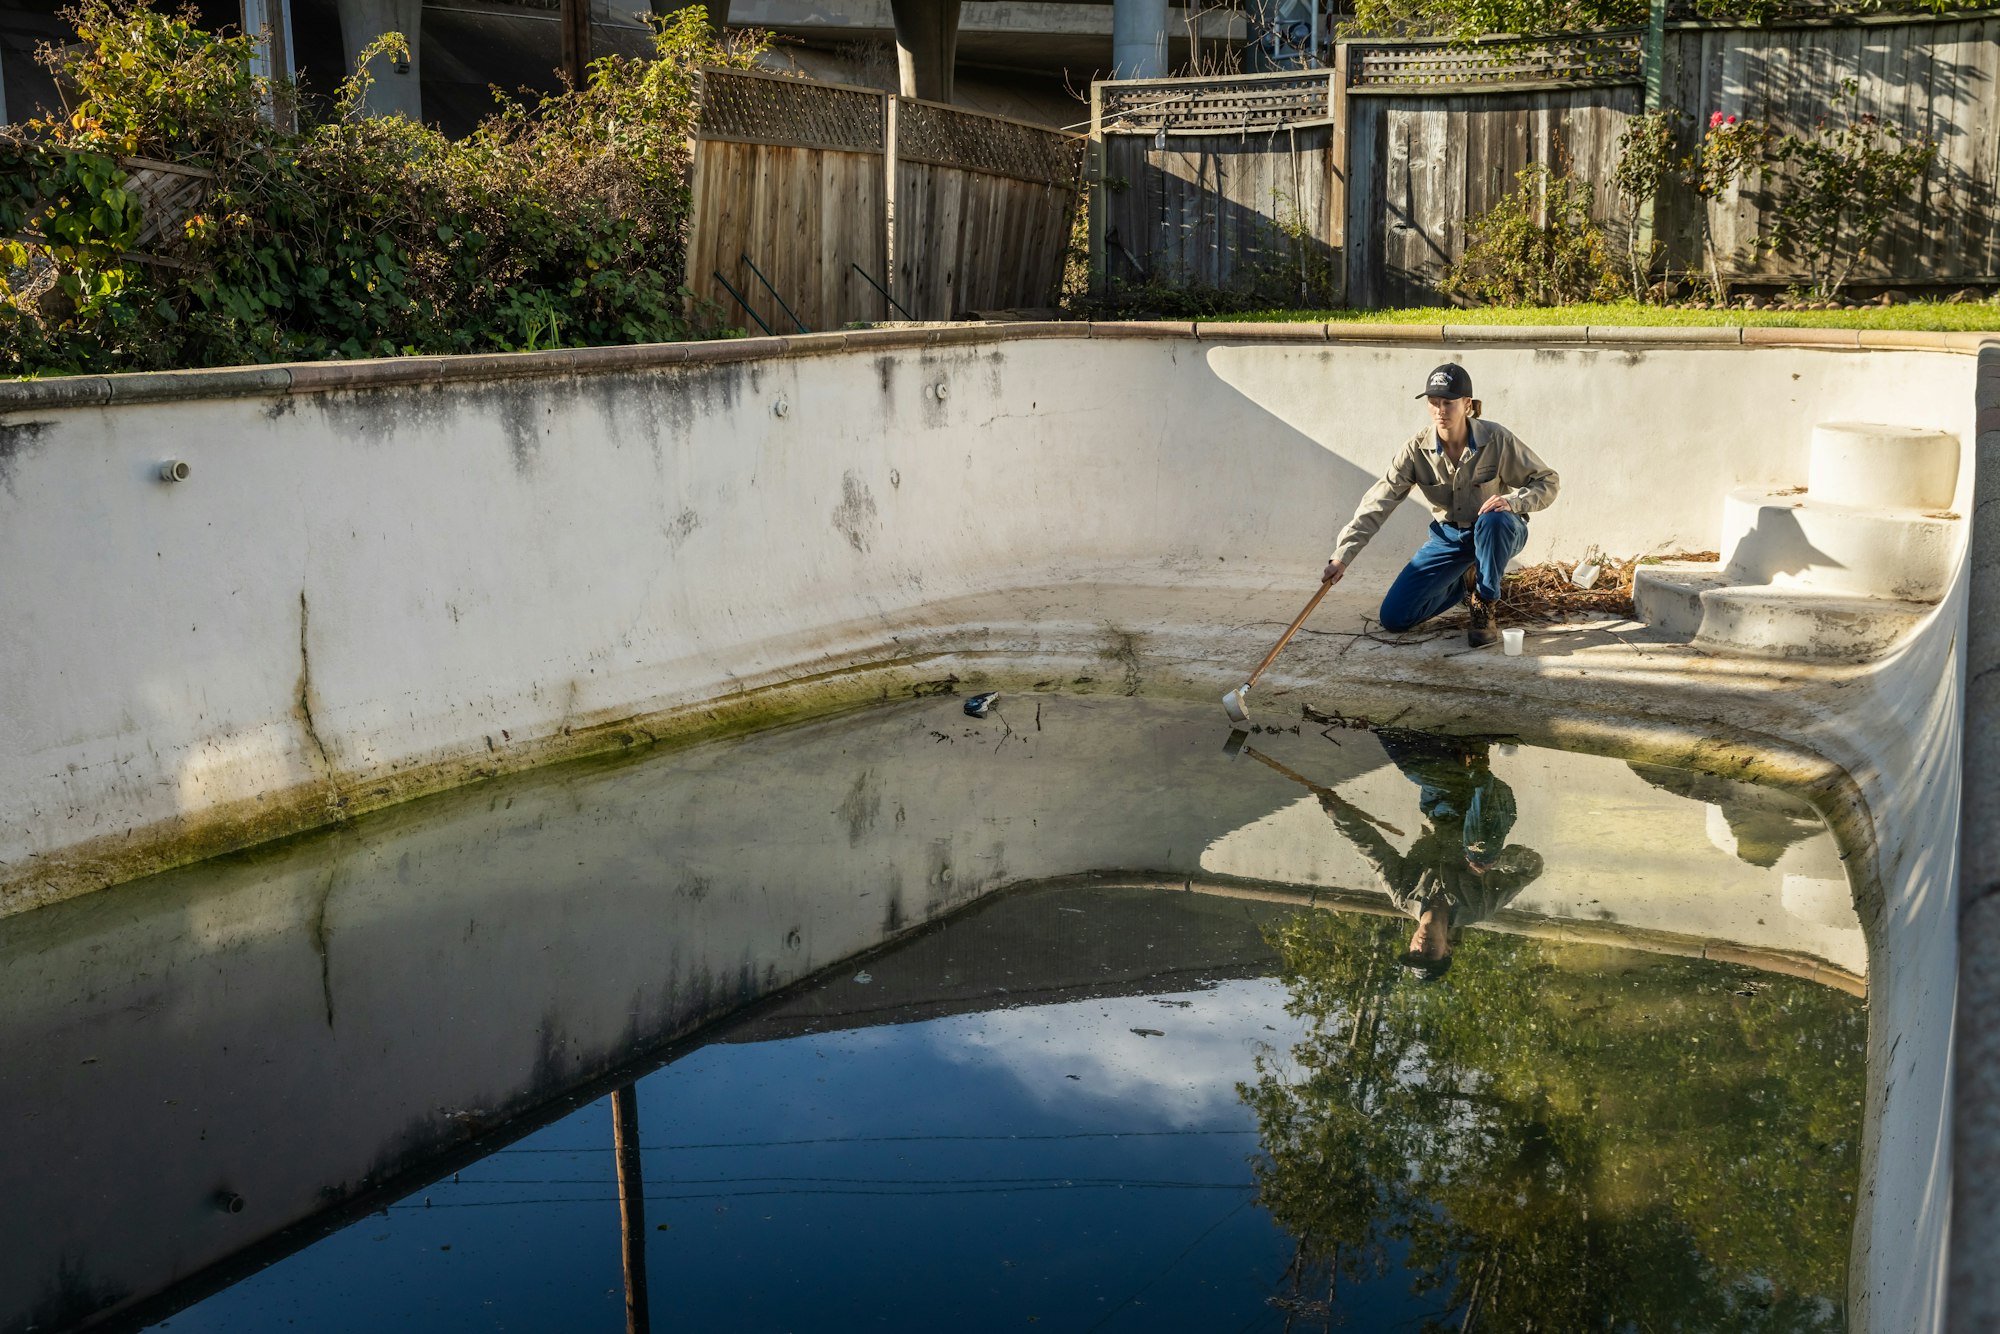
(1728, 150)
(1839, 186)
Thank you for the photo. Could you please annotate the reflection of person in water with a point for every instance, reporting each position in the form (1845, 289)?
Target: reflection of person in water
(1461, 868)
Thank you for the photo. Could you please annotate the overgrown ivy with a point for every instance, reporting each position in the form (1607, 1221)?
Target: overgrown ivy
(557, 223)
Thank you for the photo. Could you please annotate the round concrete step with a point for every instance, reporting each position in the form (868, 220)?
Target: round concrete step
(1701, 603)
(1668, 597)
(1883, 467)
(1802, 623)
(1800, 540)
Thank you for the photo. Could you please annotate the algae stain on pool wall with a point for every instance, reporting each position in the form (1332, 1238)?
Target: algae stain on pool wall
(855, 516)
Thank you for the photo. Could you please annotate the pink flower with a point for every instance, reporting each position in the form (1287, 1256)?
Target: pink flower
(1732, 120)
(1715, 120)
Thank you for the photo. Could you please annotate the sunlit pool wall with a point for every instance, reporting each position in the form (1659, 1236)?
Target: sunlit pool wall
(385, 578)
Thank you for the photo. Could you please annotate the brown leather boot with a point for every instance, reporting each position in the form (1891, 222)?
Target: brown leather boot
(1483, 629)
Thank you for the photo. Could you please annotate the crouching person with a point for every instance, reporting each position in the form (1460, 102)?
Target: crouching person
(1481, 482)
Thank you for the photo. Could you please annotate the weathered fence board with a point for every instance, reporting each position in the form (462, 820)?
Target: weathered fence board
(1423, 167)
(1245, 208)
(1940, 79)
(1432, 134)
(792, 180)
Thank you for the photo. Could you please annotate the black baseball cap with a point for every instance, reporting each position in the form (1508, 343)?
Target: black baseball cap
(1448, 381)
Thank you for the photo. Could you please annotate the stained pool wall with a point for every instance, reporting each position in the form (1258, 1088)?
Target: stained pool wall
(382, 579)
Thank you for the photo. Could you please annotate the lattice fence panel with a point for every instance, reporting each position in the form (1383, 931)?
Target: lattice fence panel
(168, 192)
(941, 136)
(1592, 58)
(763, 109)
(1236, 103)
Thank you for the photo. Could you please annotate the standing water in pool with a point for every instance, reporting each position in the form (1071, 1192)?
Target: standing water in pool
(1194, 1066)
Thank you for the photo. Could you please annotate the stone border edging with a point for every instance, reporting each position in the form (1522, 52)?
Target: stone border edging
(311, 377)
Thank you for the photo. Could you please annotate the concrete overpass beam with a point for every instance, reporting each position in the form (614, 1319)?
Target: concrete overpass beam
(926, 46)
(397, 87)
(1139, 39)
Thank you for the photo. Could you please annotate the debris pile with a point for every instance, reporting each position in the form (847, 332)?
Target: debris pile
(1548, 593)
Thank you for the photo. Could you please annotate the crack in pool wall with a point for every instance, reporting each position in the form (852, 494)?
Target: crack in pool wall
(303, 706)
(1124, 650)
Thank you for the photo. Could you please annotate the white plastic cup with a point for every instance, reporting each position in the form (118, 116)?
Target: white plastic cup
(1510, 641)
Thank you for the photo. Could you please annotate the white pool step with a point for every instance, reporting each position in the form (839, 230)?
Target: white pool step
(1887, 467)
(1842, 569)
(1800, 539)
(1703, 603)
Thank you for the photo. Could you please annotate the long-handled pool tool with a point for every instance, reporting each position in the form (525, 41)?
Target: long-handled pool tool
(1233, 703)
(1318, 789)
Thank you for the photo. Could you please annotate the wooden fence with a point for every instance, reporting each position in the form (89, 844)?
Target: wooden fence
(1226, 183)
(1397, 147)
(816, 205)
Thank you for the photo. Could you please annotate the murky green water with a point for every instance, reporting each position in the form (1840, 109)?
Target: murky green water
(1189, 1074)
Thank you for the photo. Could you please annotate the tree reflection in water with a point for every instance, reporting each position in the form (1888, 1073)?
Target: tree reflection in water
(1559, 1137)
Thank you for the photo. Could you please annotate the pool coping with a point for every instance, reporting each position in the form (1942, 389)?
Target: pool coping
(310, 377)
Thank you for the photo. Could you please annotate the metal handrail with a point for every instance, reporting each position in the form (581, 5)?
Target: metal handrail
(883, 290)
(728, 287)
(774, 294)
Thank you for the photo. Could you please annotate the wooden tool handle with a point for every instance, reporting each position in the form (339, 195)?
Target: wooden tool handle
(1290, 630)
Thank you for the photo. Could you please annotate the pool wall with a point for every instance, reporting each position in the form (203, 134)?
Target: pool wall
(384, 579)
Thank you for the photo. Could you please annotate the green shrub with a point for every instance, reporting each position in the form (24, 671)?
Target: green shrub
(554, 224)
(1467, 19)
(1836, 189)
(1536, 247)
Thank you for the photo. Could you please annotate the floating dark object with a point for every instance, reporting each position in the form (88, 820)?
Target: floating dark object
(977, 706)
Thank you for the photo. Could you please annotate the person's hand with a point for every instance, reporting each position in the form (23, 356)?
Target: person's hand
(1500, 503)
(1331, 574)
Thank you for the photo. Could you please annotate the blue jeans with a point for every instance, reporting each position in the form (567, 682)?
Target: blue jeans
(1434, 580)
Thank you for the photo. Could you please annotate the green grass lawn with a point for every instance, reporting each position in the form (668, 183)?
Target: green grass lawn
(1935, 315)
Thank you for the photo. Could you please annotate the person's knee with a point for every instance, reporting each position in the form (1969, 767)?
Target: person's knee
(1500, 520)
(1396, 619)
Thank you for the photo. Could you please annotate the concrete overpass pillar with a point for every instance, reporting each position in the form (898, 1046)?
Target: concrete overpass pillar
(927, 46)
(1139, 39)
(397, 89)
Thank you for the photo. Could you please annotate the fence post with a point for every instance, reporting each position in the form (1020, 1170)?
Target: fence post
(1094, 185)
(1337, 186)
(890, 251)
(1655, 59)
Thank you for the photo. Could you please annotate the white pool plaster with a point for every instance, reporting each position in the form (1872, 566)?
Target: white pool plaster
(382, 579)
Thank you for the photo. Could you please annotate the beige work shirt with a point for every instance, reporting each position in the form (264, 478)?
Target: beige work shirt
(1495, 463)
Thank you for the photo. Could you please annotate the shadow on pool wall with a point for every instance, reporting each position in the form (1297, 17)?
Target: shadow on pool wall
(382, 579)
